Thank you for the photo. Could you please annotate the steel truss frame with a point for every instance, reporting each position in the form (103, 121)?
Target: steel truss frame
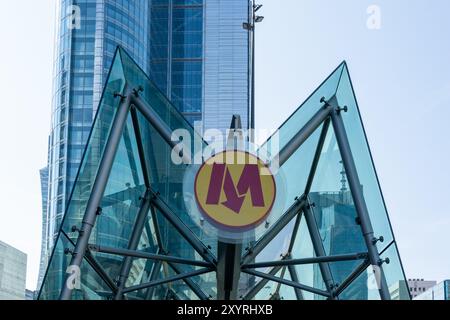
(229, 264)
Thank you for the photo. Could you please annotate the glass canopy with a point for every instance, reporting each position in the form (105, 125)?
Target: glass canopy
(142, 244)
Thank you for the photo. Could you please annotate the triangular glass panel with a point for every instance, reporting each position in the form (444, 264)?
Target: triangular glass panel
(363, 160)
(143, 161)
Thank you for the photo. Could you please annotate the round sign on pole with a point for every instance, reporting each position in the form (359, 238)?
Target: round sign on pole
(236, 194)
(232, 195)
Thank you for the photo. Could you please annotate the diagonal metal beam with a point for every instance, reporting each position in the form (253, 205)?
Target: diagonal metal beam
(261, 284)
(294, 233)
(179, 225)
(127, 194)
(190, 283)
(140, 146)
(353, 276)
(153, 275)
(98, 188)
(316, 159)
(287, 282)
(283, 221)
(358, 195)
(168, 280)
(135, 237)
(305, 132)
(318, 248)
(295, 262)
(160, 126)
(131, 159)
(157, 229)
(149, 256)
(276, 294)
(100, 271)
(294, 277)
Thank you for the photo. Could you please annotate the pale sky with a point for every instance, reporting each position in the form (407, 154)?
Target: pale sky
(401, 75)
(26, 68)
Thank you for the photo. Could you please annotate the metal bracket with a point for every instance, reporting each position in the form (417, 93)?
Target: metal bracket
(118, 94)
(376, 240)
(137, 90)
(340, 109)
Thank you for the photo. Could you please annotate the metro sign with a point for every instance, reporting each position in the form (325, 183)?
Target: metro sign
(235, 190)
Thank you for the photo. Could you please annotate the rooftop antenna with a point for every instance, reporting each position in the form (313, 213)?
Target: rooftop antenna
(344, 178)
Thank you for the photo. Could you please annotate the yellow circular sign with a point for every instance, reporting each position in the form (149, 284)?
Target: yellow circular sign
(235, 190)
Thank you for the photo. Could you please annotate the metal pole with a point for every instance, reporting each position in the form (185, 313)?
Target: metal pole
(252, 111)
(296, 262)
(284, 220)
(288, 283)
(133, 244)
(294, 233)
(305, 132)
(155, 222)
(318, 248)
(178, 224)
(168, 280)
(98, 189)
(358, 196)
(190, 283)
(294, 277)
(260, 285)
(100, 271)
(160, 126)
(228, 270)
(140, 145)
(153, 275)
(133, 253)
(315, 163)
(354, 275)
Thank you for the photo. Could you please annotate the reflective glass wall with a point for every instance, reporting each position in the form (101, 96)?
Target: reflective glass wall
(171, 41)
(88, 33)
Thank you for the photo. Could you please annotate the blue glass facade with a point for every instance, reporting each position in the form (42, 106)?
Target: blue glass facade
(45, 223)
(176, 53)
(83, 57)
(196, 52)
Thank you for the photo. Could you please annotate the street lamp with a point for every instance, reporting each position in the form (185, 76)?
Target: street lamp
(250, 26)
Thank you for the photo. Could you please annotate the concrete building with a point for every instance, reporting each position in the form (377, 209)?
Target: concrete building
(13, 270)
(413, 288)
(419, 286)
(440, 291)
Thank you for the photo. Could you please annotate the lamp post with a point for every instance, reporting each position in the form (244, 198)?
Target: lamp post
(250, 26)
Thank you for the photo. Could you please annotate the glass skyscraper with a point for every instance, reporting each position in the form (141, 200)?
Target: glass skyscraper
(45, 226)
(196, 52)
